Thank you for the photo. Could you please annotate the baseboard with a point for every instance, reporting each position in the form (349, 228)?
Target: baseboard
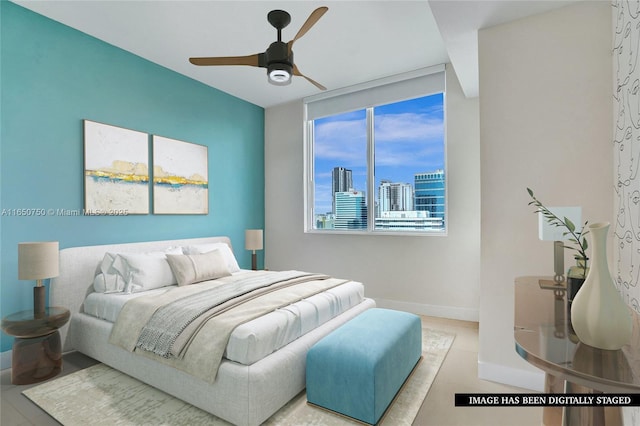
(532, 380)
(5, 360)
(450, 312)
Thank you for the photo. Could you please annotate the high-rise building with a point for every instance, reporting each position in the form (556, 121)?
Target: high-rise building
(394, 196)
(430, 193)
(324, 221)
(407, 221)
(351, 210)
(341, 181)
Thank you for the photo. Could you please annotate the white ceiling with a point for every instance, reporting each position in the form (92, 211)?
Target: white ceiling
(354, 42)
(460, 20)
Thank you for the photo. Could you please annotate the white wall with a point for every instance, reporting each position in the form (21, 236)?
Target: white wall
(431, 275)
(545, 123)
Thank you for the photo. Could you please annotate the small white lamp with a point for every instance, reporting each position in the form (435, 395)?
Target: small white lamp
(38, 261)
(548, 232)
(253, 242)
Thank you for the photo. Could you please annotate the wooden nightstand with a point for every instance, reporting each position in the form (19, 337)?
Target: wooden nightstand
(37, 351)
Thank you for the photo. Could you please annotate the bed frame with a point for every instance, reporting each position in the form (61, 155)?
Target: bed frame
(243, 395)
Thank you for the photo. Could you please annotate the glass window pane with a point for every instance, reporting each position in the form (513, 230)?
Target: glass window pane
(340, 171)
(409, 165)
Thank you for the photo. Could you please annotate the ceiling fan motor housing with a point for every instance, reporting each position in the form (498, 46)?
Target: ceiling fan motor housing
(279, 62)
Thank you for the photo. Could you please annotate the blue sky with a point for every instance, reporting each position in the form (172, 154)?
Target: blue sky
(409, 139)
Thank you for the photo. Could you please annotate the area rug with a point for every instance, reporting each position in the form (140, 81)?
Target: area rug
(100, 395)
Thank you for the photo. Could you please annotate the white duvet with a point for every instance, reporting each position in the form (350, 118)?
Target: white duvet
(255, 339)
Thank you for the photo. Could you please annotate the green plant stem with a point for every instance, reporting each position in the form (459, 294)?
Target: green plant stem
(556, 221)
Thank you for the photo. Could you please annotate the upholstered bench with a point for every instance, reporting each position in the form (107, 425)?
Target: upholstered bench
(358, 368)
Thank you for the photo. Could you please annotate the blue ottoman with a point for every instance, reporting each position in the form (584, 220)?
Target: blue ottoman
(358, 369)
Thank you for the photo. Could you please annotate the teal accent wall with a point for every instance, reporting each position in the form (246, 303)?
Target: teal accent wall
(51, 78)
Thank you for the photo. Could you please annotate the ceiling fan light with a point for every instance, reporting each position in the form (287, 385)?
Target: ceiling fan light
(279, 74)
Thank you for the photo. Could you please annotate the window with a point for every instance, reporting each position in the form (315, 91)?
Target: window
(376, 158)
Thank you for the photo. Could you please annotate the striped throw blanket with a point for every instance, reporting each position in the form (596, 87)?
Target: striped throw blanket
(170, 320)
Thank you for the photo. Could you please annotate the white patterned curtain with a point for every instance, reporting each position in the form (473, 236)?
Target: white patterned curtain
(626, 145)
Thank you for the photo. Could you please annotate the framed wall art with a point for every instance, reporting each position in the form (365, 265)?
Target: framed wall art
(180, 177)
(116, 170)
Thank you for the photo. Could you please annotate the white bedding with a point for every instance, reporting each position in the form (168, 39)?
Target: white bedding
(258, 338)
(244, 395)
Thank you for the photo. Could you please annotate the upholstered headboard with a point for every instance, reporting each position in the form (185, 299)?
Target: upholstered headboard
(78, 268)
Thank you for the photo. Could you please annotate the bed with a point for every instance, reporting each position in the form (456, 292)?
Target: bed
(261, 368)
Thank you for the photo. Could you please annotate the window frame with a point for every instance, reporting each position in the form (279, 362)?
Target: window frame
(309, 158)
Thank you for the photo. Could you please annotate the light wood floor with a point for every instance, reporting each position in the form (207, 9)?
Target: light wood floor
(457, 375)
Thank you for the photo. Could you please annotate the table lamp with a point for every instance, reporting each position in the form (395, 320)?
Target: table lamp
(549, 232)
(38, 261)
(253, 242)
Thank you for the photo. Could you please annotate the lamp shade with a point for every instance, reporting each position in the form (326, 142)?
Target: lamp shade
(253, 239)
(38, 260)
(548, 232)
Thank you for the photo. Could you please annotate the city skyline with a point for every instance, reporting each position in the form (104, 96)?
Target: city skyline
(409, 139)
(395, 209)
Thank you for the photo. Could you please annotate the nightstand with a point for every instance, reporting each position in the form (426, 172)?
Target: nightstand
(37, 351)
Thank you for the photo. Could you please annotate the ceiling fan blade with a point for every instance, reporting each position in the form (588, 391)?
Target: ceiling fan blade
(297, 72)
(251, 60)
(311, 21)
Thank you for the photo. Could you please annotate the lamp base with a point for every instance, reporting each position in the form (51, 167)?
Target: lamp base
(39, 296)
(254, 261)
(558, 261)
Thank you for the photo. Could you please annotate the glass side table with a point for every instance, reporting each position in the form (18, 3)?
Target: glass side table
(37, 350)
(544, 337)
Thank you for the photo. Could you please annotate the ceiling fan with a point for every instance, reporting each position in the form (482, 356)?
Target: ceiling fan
(278, 58)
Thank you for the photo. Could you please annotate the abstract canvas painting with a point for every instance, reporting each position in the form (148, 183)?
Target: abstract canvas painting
(180, 177)
(116, 170)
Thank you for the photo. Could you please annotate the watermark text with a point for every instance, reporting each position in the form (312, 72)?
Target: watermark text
(35, 212)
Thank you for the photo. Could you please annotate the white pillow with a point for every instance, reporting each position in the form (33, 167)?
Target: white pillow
(108, 283)
(226, 252)
(172, 250)
(195, 268)
(107, 261)
(107, 279)
(144, 271)
(116, 274)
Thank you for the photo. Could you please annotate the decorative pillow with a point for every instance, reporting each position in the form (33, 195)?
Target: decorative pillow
(226, 252)
(108, 283)
(107, 279)
(195, 268)
(107, 261)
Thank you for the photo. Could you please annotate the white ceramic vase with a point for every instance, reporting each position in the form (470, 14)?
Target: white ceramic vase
(599, 316)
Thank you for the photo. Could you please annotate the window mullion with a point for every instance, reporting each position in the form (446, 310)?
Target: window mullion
(309, 181)
(371, 161)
